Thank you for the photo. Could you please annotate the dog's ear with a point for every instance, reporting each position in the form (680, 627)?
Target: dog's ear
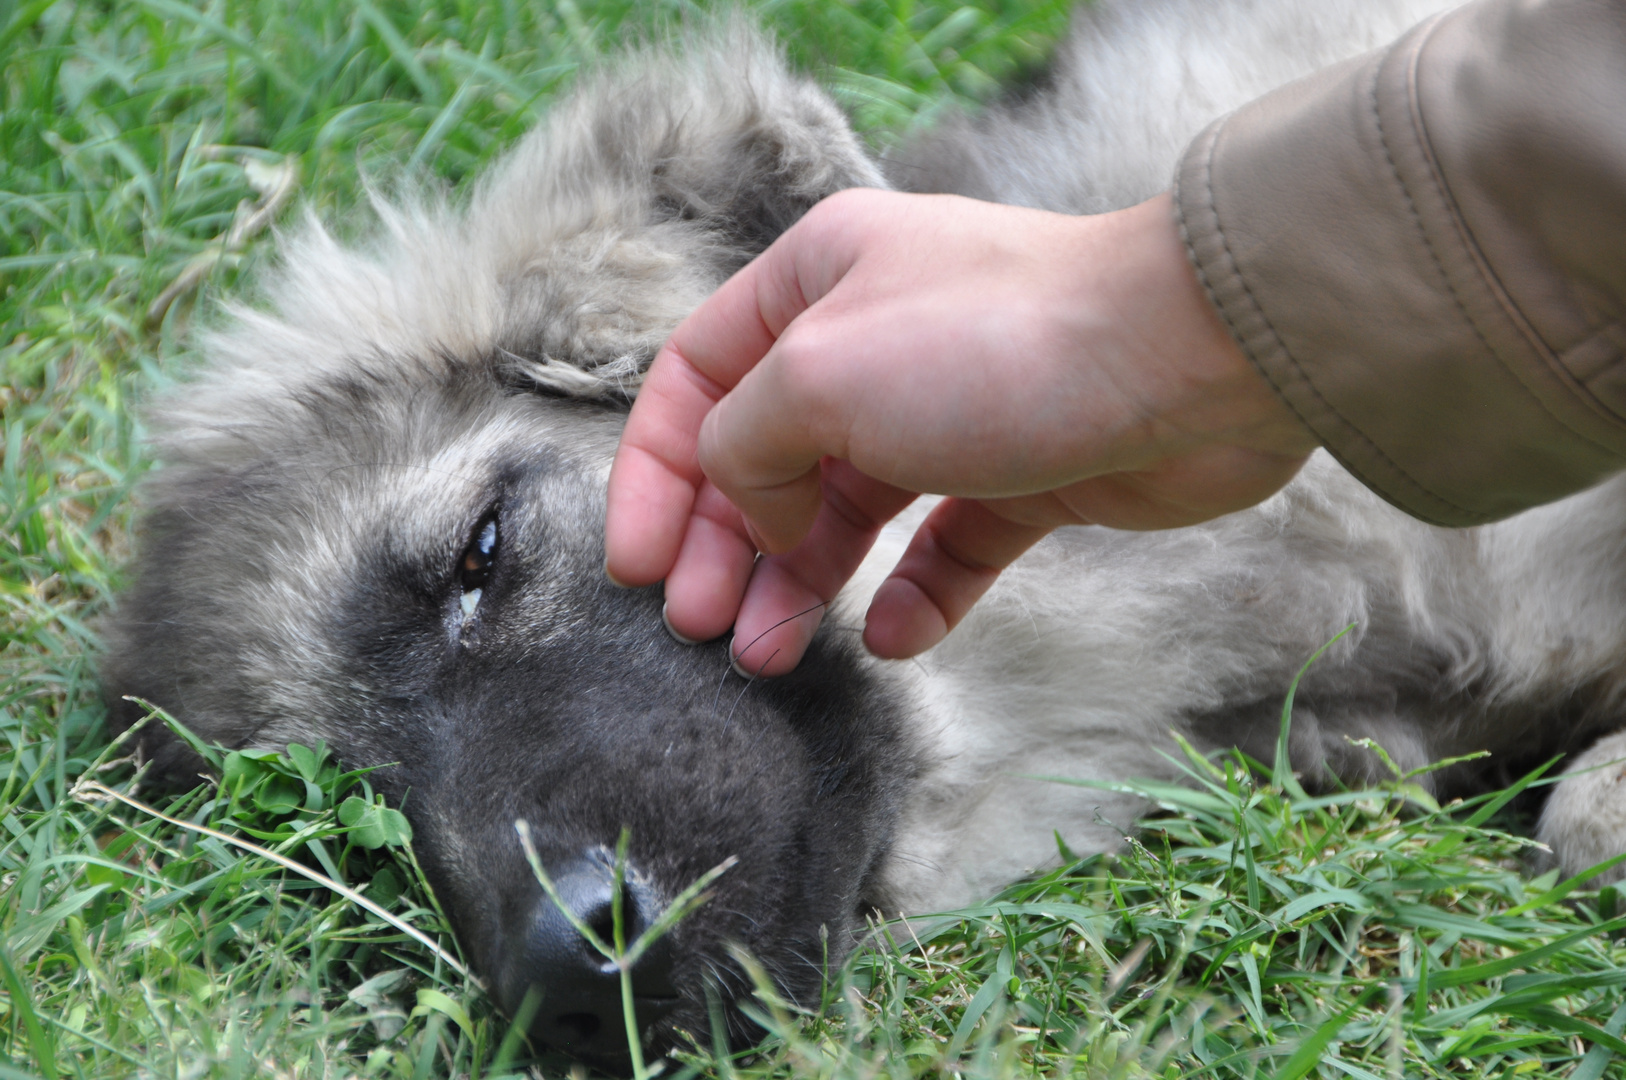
(750, 151)
(658, 178)
(714, 129)
(636, 196)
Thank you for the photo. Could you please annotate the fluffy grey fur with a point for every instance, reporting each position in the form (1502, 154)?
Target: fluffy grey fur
(454, 390)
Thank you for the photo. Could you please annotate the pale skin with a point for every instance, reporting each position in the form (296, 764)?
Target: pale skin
(1039, 369)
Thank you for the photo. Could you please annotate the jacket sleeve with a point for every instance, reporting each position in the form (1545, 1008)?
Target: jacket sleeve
(1424, 250)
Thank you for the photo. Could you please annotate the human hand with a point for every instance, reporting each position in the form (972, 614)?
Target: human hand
(1039, 368)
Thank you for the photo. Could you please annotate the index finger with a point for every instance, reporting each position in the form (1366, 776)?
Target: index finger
(657, 472)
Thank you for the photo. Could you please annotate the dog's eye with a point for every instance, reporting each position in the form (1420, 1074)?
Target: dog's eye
(474, 568)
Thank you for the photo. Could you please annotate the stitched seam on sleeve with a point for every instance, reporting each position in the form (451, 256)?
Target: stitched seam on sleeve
(1234, 270)
(1611, 335)
(1486, 281)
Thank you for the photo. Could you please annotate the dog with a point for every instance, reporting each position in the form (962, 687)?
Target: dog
(379, 513)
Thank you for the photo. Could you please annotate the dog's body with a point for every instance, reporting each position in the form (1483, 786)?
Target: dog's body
(379, 524)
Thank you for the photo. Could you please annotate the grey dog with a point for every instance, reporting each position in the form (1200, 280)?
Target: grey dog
(378, 522)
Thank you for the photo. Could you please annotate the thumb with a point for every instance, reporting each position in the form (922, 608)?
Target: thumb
(657, 470)
(786, 406)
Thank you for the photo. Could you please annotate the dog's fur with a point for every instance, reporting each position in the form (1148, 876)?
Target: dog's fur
(346, 443)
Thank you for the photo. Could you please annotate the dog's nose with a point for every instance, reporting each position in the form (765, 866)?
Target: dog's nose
(580, 987)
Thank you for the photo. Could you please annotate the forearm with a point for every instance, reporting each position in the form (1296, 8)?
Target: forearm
(1421, 249)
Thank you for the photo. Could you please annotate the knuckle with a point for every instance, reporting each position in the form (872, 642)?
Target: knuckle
(801, 370)
(834, 219)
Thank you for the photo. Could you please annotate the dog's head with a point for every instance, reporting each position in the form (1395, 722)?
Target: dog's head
(378, 523)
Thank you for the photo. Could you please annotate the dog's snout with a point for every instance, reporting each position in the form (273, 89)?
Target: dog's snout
(580, 987)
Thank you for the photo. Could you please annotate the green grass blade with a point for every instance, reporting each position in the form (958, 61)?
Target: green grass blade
(1598, 1058)
(1281, 770)
(1308, 1054)
(23, 1002)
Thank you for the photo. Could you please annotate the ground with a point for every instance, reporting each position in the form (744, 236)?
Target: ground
(144, 144)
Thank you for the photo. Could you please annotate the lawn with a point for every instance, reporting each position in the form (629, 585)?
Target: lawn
(144, 147)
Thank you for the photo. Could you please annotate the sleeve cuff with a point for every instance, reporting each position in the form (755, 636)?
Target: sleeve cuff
(1320, 225)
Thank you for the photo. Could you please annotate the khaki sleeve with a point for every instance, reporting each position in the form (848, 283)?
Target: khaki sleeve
(1424, 250)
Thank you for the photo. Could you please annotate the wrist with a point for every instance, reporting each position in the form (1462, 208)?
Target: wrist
(1220, 394)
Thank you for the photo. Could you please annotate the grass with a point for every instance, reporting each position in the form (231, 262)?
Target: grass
(1252, 932)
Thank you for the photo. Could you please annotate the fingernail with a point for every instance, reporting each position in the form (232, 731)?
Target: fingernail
(742, 672)
(750, 674)
(679, 638)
